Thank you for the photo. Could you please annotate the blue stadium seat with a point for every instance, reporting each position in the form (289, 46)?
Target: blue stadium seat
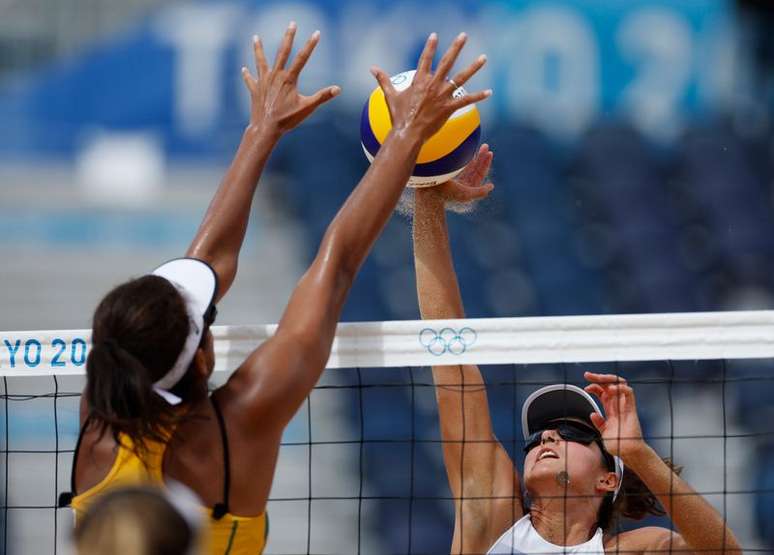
(764, 499)
(621, 186)
(728, 192)
(541, 210)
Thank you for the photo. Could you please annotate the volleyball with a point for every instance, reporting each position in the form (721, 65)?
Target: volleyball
(444, 155)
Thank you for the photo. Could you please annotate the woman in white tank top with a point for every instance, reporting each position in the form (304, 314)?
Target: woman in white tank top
(582, 468)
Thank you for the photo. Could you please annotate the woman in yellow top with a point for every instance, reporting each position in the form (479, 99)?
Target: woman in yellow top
(146, 413)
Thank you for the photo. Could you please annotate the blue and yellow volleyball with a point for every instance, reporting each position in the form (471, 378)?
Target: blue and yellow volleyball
(443, 155)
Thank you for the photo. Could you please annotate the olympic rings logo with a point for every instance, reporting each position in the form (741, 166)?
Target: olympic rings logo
(448, 340)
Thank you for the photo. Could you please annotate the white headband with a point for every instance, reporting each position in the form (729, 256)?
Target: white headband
(178, 370)
(619, 471)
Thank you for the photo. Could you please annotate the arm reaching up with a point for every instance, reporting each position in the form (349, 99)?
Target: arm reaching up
(700, 528)
(276, 107)
(275, 379)
(481, 476)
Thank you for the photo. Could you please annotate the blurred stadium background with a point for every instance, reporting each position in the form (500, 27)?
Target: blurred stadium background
(634, 168)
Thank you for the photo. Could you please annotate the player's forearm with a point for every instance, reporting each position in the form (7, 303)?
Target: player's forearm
(222, 231)
(439, 298)
(360, 220)
(317, 301)
(699, 524)
(463, 409)
(437, 288)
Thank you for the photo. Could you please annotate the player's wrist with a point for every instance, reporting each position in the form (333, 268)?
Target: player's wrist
(638, 455)
(408, 134)
(263, 132)
(428, 199)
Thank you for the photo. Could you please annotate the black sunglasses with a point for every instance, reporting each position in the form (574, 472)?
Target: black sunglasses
(572, 431)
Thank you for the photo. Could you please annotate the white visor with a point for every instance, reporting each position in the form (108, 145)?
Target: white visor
(198, 285)
(554, 402)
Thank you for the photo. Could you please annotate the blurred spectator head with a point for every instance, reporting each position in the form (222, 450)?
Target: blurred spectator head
(142, 520)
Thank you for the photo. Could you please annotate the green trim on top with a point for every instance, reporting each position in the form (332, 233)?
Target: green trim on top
(231, 537)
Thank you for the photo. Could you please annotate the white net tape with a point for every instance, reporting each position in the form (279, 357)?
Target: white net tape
(684, 336)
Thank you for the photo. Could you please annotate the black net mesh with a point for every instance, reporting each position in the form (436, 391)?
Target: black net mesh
(361, 467)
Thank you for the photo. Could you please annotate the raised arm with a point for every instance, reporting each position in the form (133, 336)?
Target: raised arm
(481, 476)
(275, 108)
(701, 528)
(275, 379)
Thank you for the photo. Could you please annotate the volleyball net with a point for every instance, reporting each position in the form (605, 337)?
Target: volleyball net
(360, 467)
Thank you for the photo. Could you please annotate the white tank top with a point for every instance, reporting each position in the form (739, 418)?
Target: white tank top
(523, 539)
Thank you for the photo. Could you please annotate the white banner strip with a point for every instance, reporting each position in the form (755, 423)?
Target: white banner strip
(684, 336)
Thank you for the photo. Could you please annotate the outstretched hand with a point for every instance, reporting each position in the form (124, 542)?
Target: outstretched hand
(428, 102)
(471, 184)
(620, 427)
(276, 106)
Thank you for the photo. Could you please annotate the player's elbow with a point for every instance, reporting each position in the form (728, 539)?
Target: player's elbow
(226, 271)
(729, 546)
(274, 388)
(674, 542)
(224, 265)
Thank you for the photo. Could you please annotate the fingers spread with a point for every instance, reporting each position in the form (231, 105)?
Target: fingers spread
(477, 169)
(303, 56)
(595, 389)
(467, 193)
(428, 53)
(483, 162)
(260, 57)
(447, 62)
(603, 378)
(463, 76)
(482, 191)
(251, 83)
(617, 401)
(383, 79)
(323, 95)
(469, 99)
(285, 47)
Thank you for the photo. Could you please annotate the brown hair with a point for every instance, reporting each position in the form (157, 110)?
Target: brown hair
(133, 521)
(635, 501)
(138, 332)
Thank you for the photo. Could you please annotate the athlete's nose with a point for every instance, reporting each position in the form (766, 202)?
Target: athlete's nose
(549, 436)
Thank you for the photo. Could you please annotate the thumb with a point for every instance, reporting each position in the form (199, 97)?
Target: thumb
(598, 420)
(383, 79)
(324, 95)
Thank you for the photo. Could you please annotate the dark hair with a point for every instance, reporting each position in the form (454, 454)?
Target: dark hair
(137, 520)
(635, 501)
(139, 329)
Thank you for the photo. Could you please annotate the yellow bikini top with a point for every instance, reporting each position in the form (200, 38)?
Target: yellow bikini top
(227, 534)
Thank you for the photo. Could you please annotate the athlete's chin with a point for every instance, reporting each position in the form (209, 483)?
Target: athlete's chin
(541, 475)
(547, 466)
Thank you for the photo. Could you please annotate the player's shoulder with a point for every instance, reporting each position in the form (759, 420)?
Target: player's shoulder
(643, 540)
